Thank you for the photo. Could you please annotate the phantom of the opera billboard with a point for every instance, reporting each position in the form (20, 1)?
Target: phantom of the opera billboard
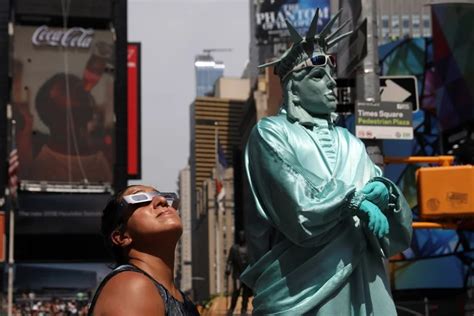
(62, 99)
(270, 18)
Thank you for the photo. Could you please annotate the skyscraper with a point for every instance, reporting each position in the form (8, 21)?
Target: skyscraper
(184, 258)
(214, 120)
(211, 119)
(208, 71)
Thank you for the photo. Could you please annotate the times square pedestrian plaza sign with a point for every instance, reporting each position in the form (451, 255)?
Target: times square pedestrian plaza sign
(270, 18)
(384, 120)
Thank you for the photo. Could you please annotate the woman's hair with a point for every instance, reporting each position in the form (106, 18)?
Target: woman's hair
(112, 217)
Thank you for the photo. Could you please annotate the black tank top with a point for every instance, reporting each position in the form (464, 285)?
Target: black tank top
(173, 307)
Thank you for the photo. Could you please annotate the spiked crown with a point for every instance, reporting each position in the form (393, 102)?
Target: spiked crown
(303, 48)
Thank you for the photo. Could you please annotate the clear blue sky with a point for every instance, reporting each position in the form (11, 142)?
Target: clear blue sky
(172, 32)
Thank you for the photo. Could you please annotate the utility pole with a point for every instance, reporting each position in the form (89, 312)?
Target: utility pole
(367, 76)
(11, 216)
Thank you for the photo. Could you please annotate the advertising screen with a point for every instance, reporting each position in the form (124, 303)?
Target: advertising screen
(270, 18)
(133, 111)
(451, 46)
(62, 98)
(59, 213)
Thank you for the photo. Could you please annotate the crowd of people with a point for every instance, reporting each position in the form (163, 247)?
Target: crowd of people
(51, 307)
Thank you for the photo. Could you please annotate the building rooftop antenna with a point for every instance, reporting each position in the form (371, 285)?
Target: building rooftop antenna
(208, 51)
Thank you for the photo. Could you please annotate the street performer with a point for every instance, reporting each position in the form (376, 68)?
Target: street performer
(325, 216)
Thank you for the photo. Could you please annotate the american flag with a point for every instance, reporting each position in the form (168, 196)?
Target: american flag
(13, 165)
(221, 165)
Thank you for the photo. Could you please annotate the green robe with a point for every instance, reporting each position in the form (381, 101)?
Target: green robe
(309, 254)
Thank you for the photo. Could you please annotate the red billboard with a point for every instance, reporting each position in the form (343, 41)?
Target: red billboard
(133, 111)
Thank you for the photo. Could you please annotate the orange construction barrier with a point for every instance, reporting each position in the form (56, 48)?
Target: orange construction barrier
(426, 225)
(441, 160)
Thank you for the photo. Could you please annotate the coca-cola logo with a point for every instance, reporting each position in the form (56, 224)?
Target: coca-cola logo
(73, 37)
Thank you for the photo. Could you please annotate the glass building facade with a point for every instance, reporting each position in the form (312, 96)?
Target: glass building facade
(208, 71)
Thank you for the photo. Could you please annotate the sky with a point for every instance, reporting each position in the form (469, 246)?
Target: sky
(171, 33)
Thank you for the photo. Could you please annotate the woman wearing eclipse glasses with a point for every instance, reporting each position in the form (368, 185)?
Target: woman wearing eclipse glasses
(141, 227)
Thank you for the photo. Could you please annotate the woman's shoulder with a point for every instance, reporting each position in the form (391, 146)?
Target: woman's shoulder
(129, 293)
(130, 280)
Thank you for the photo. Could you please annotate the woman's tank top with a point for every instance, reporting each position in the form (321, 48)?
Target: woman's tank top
(173, 307)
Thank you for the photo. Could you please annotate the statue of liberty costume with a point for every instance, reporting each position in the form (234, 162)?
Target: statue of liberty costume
(325, 216)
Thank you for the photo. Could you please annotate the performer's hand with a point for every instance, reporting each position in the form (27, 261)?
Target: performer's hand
(378, 222)
(377, 193)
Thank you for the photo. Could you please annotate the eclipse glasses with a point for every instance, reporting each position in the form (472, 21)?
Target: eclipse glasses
(317, 60)
(144, 197)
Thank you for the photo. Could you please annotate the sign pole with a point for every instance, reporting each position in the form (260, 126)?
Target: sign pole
(367, 78)
(11, 260)
(11, 231)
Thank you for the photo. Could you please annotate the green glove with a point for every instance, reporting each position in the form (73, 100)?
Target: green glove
(378, 223)
(377, 193)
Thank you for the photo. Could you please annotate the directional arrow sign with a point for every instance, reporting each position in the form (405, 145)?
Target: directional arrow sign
(392, 89)
(393, 92)
(399, 89)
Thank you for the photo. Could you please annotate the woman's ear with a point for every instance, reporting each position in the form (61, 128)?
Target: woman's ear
(120, 238)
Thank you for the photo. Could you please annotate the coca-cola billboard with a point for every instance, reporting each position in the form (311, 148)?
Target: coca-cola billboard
(63, 101)
(73, 37)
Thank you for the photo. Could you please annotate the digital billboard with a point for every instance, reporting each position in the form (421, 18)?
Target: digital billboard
(63, 103)
(454, 75)
(452, 47)
(270, 18)
(432, 251)
(133, 111)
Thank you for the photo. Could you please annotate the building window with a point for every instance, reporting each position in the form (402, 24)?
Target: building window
(426, 25)
(385, 28)
(405, 25)
(415, 25)
(199, 204)
(395, 26)
(385, 21)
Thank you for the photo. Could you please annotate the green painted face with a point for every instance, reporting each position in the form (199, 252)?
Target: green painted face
(306, 71)
(315, 91)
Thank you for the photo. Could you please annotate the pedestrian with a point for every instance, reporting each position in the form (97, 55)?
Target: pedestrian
(141, 226)
(237, 261)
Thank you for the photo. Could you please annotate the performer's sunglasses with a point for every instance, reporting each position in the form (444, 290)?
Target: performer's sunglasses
(317, 60)
(146, 197)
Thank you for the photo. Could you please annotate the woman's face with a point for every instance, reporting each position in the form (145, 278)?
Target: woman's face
(152, 220)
